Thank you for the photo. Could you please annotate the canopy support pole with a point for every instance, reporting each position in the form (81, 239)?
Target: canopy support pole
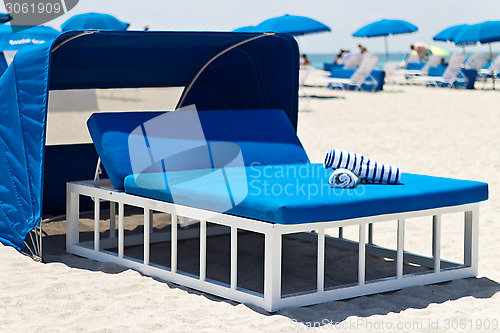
(35, 248)
(386, 49)
(492, 70)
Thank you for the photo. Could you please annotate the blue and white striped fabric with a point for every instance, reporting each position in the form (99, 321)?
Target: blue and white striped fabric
(343, 178)
(366, 170)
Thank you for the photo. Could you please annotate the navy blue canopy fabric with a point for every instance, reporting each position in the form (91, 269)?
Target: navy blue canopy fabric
(3, 63)
(243, 71)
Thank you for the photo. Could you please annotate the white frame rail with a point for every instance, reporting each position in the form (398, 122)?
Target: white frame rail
(272, 298)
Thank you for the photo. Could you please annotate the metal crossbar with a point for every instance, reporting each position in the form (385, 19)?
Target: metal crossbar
(272, 298)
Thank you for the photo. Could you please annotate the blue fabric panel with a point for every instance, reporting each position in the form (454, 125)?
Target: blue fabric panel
(262, 136)
(3, 63)
(328, 66)
(291, 194)
(31, 68)
(415, 66)
(268, 78)
(15, 199)
(261, 74)
(22, 137)
(67, 163)
(378, 74)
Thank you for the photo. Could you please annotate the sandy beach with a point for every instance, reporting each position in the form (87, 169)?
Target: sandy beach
(433, 131)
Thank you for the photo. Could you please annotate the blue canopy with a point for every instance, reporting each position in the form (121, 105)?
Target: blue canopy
(484, 33)
(449, 34)
(291, 24)
(94, 21)
(385, 27)
(36, 35)
(221, 70)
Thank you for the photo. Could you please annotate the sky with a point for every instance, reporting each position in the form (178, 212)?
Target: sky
(344, 17)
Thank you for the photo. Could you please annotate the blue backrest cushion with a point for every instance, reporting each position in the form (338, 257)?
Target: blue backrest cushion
(143, 142)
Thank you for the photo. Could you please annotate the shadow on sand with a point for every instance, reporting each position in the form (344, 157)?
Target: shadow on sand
(301, 278)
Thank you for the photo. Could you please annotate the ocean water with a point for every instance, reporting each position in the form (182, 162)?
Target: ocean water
(317, 59)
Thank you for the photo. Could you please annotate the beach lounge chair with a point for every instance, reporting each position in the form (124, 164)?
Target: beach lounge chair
(211, 166)
(492, 71)
(476, 62)
(434, 61)
(494, 68)
(452, 76)
(352, 61)
(412, 57)
(361, 76)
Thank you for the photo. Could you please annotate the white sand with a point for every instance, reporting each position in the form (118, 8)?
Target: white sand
(440, 132)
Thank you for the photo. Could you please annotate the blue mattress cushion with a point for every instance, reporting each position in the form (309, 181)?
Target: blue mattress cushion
(145, 142)
(299, 193)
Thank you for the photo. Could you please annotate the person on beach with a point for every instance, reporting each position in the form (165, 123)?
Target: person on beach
(339, 58)
(304, 61)
(362, 49)
(423, 51)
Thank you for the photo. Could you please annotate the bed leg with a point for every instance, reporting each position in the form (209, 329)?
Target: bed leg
(97, 219)
(471, 230)
(121, 237)
(203, 250)
(73, 220)
(112, 219)
(147, 224)
(401, 245)
(370, 233)
(234, 258)
(362, 254)
(436, 242)
(151, 221)
(173, 259)
(321, 261)
(272, 269)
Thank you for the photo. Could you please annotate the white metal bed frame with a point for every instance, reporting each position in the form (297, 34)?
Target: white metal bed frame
(272, 298)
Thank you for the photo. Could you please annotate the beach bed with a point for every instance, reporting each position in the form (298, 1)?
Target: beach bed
(230, 197)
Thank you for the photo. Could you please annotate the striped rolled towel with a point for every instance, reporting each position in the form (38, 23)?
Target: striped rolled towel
(343, 178)
(366, 170)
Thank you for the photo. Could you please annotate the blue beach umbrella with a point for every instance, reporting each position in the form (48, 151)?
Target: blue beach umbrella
(94, 21)
(449, 34)
(27, 37)
(485, 33)
(385, 27)
(5, 18)
(293, 25)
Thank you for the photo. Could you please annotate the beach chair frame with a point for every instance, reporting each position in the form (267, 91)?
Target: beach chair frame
(451, 75)
(361, 76)
(271, 299)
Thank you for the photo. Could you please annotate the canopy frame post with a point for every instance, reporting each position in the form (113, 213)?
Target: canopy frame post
(386, 49)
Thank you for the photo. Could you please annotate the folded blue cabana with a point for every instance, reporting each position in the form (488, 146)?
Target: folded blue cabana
(220, 71)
